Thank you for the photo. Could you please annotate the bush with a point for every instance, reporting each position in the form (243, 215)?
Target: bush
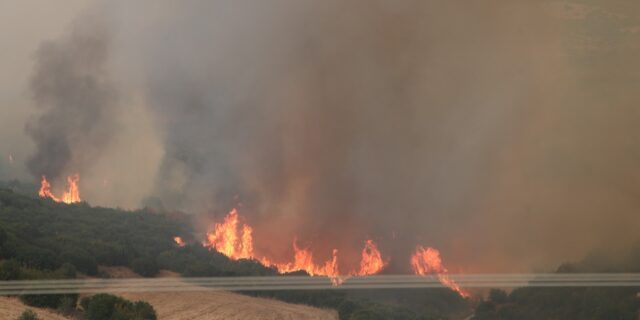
(67, 304)
(28, 315)
(81, 260)
(53, 301)
(346, 308)
(143, 311)
(9, 270)
(66, 271)
(497, 296)
(146, 267)
(106, 307)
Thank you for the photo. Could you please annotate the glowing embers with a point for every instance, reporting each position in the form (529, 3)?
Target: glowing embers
(70, 195)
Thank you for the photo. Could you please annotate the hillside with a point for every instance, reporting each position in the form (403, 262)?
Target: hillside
(42, 239)
(11, 308)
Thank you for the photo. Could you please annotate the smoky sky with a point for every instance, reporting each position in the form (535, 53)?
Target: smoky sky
(501, 133)
(75, 100)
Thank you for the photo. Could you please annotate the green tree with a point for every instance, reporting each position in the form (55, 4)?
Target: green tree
(146, 266)
(10, 270)
(346, 308)
(497, 296)
(80, 259)
(52, 301)
(143, 311)
(109, 307)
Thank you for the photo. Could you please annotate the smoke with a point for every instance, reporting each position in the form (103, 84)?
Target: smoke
(335, 122)
(70, 86)
(458, 125)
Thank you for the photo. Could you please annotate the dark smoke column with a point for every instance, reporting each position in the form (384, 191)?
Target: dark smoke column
(76, 99)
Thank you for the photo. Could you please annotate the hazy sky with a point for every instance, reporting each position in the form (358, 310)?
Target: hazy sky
(23, 26)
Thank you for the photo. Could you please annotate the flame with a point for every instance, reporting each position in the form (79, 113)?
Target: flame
(227, 239)
(427, 261)
(179, 241)
(371, 262)
(71, 195)
(303, 260)
(45, 189)
(235, 240)
(246, 244)
(10, 158)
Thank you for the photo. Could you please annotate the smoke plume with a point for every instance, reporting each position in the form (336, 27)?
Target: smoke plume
(75, 97)
(476, 128)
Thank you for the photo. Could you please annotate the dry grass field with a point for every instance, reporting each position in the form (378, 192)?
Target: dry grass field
(218, 305)
(11, 308)
(191, 305)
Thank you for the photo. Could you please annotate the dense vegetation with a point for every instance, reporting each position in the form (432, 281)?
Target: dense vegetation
(44, 235)
(41, 239)
(28, 315)
(107, 307)
(588, 303)
(401, 304)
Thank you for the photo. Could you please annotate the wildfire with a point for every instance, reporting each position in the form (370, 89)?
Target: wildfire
(179, 241)
(235, 240)
(371, 262)
(303, 260)
(71, 195)
(227, 240)
(426, 261)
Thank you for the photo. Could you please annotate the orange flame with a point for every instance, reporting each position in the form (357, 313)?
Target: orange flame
(227, 240)
(236, 242)
(179, 241)
(371, 262)
(303, 260)
(71, 195)
(427, 261)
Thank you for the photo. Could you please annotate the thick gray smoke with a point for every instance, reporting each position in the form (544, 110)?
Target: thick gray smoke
(460, 125)
(75, 98)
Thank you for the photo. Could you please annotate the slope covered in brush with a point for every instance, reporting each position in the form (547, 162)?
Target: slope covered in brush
(43, 234)
(40, 238)
(588, 303)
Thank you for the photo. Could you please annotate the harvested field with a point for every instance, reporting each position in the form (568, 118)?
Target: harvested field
(218, 305)
(11, 308)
